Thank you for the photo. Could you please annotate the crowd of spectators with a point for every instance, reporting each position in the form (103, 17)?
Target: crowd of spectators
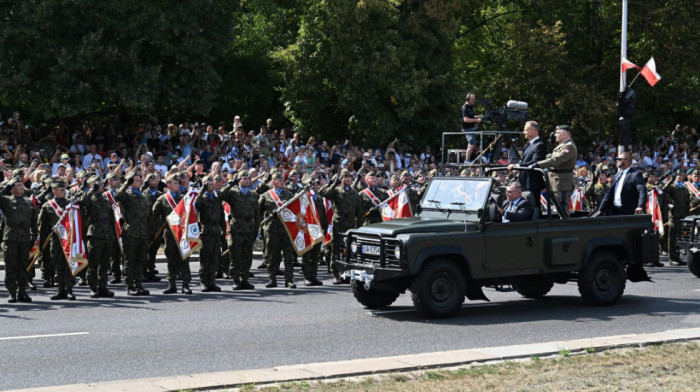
(100, 147)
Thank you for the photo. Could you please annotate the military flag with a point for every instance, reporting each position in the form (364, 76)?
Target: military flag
(117, 218)
(649, 72)
(654, 210)
(300, 220)
(396, 206)
(328, 205)
(183, 224)
(577, 198)
(70, 231)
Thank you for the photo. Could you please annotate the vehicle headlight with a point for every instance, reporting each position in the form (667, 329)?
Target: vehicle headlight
(695, 231)
(353, 247)
(397, 252)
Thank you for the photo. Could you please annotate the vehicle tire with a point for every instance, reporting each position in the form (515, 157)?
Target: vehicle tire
(602, 282)
(438, 290)
(532, 286)
(694, 263)
(373, 299)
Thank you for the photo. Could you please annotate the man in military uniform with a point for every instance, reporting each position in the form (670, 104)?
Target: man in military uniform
(243, 228)
(561, 168)
(694, 188)
(310, 259)
(75, 193)
(101, 236)
(371, 197)
(594, 191)
(678, 196)
(210, 214)
(135, 207)
(293, 182)
(150, 189)
(49, 215)
(165, 204)
(407, 181)
(20, 219)
(276, 238)
(116, 255)
(347, 211)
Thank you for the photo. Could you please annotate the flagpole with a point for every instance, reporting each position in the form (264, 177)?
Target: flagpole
(283, 206)
(635, 78)
(623, 55)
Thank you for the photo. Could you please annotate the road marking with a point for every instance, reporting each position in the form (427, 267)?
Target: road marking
(697, 290)
(380, 312)
(45, 336)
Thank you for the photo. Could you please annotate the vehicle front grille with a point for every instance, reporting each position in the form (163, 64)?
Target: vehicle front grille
(372, 249)
(686, 231)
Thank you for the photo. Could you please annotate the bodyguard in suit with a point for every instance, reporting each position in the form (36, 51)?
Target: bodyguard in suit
(628, 194)
(534, 151)
(516, 208)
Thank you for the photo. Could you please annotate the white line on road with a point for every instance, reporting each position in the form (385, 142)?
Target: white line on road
(697, 290)
(45, 336)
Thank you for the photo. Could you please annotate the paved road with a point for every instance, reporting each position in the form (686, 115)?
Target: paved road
(127, 337)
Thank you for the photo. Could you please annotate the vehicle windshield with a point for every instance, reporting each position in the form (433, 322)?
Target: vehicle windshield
(457, 193)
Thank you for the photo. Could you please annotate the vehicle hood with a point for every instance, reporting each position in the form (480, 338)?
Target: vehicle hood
(417, 225)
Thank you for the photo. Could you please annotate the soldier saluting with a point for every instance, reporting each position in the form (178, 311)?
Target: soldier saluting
(276, 238)
(210, 214)
(371, 197)
(561, 168)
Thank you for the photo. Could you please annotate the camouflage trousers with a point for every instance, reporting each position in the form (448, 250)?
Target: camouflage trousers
(16, 256)
(99, 255)
(116, 260)
(209, 259)
(309, 262)
(136, 253)
(176, 265)
(241, 255)
(152, 253)
(62, 273)
(672, 233)
(277, 244)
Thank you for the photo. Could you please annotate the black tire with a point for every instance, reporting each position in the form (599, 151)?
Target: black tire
(373, 299)
(438, 290)
(602, 282)
(694, 263)
(532, 286)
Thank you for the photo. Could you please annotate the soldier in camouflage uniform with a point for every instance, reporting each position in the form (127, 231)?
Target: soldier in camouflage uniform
(310, 259)
(596, 190)
(135, 208)
(176, 265)
(677, 195)
(43, 193)
(276, 238)
(101, 236)
(50, 213)
(116, 255)
(150, 189)
(243, 228)
(694, 179)
(371, 197)
(20, 218)
(347, 211)
(75, 193)
(210, 215)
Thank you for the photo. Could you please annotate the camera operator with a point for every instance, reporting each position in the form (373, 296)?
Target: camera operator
(469, 121)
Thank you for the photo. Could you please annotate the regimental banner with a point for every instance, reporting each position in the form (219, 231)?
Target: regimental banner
(183, 225)
(328, 205)
(577, 198)
(36, 249)
(396, 206)
(227, 214)
(70, 231)
(654, 210)
(300, 220)
(117, 218)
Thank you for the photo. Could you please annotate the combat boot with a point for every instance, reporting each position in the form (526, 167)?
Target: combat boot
(12, 298)
(206, 288)
(69, 294)
(60, 295)
(215, 288)
(47, 284)
(103, 292)
(115, 281)
(133, 292)
(312, 282)
(172, 288)
(243, 285)
(186, 289)
(290, 284)
(23, 297)
(143, 291)
(94, 293)
(31, 285)
(272, 283)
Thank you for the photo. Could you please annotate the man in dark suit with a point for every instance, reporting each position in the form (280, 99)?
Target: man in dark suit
(534, 151)
(516, 208)
(628, 193)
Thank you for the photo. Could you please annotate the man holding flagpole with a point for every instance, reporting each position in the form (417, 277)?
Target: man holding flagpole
(276, 238)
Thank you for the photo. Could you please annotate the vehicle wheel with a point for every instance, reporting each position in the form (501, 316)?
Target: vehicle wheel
(694, 263)
(439, 289)
(603, 281)
(532, 286)
(372, 299)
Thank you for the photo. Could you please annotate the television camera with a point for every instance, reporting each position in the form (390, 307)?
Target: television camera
(514, 111)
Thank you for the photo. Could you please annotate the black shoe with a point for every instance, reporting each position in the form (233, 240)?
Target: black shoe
(60, 295)
(172, 289)
(143, 291)
(271, 284)
(186, 289)
(312, 282)
(245, 285)
(658, 264)
(290, 285)
(103, 292)
(47, 284)
(154, 271)
(23, 297)
(207, 289)
(215, 288)
(12, 298)
(132, 292)
(31, 286)
(262, 266)
(677, 263)
(297, 264)
(219, 275)
(82, 282)
(115, 281)
(70, 295)
(155, 278)
(251, 275)
(337, 281)
(94, 293)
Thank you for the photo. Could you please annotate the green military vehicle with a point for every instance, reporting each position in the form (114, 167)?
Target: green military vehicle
(689, 242)
(453, 248)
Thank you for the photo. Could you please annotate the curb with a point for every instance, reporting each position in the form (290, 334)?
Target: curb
(359, 367)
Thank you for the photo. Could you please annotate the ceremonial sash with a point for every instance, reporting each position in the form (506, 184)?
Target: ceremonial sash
(117, 218)
(170, 200)
(371, 196)
(276, 198)
(70, 231)
(693, 189)
(56, 208)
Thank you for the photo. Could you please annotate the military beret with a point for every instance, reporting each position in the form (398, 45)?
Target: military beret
(307, 179)
(81, 174)
(695, 172)
(394, 176)
(564, 128)
(132, 174)
(92, 180)
(420, 172)
(13, 181)
(680, 172)
(668, 173)
(173, 177)
(217, 177)
(276, 175)
(207, 179)
(58, 183)
(18, 173)
(345, 173)
(405, 173)
(371, 173)
(112, 176)
(243, 173)
(293, 173)
(150, 176)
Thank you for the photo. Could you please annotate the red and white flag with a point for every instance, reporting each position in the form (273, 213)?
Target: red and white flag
(183, 225)
(328, 205)
(396, 206)
(654, 210)
(577, 198)
(626, 64)
(117, 218)
(227, 214)
(300, 220)
(649, 72)
(70, 230)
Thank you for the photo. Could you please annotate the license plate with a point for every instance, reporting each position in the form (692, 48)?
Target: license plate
(370, 249)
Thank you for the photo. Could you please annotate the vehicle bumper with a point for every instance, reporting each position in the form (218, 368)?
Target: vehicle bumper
(369, 273)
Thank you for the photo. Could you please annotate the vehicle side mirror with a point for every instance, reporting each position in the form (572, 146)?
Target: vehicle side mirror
(480, 212)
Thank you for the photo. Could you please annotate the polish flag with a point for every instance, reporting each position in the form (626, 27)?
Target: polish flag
(649, 72)
(626, 64)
